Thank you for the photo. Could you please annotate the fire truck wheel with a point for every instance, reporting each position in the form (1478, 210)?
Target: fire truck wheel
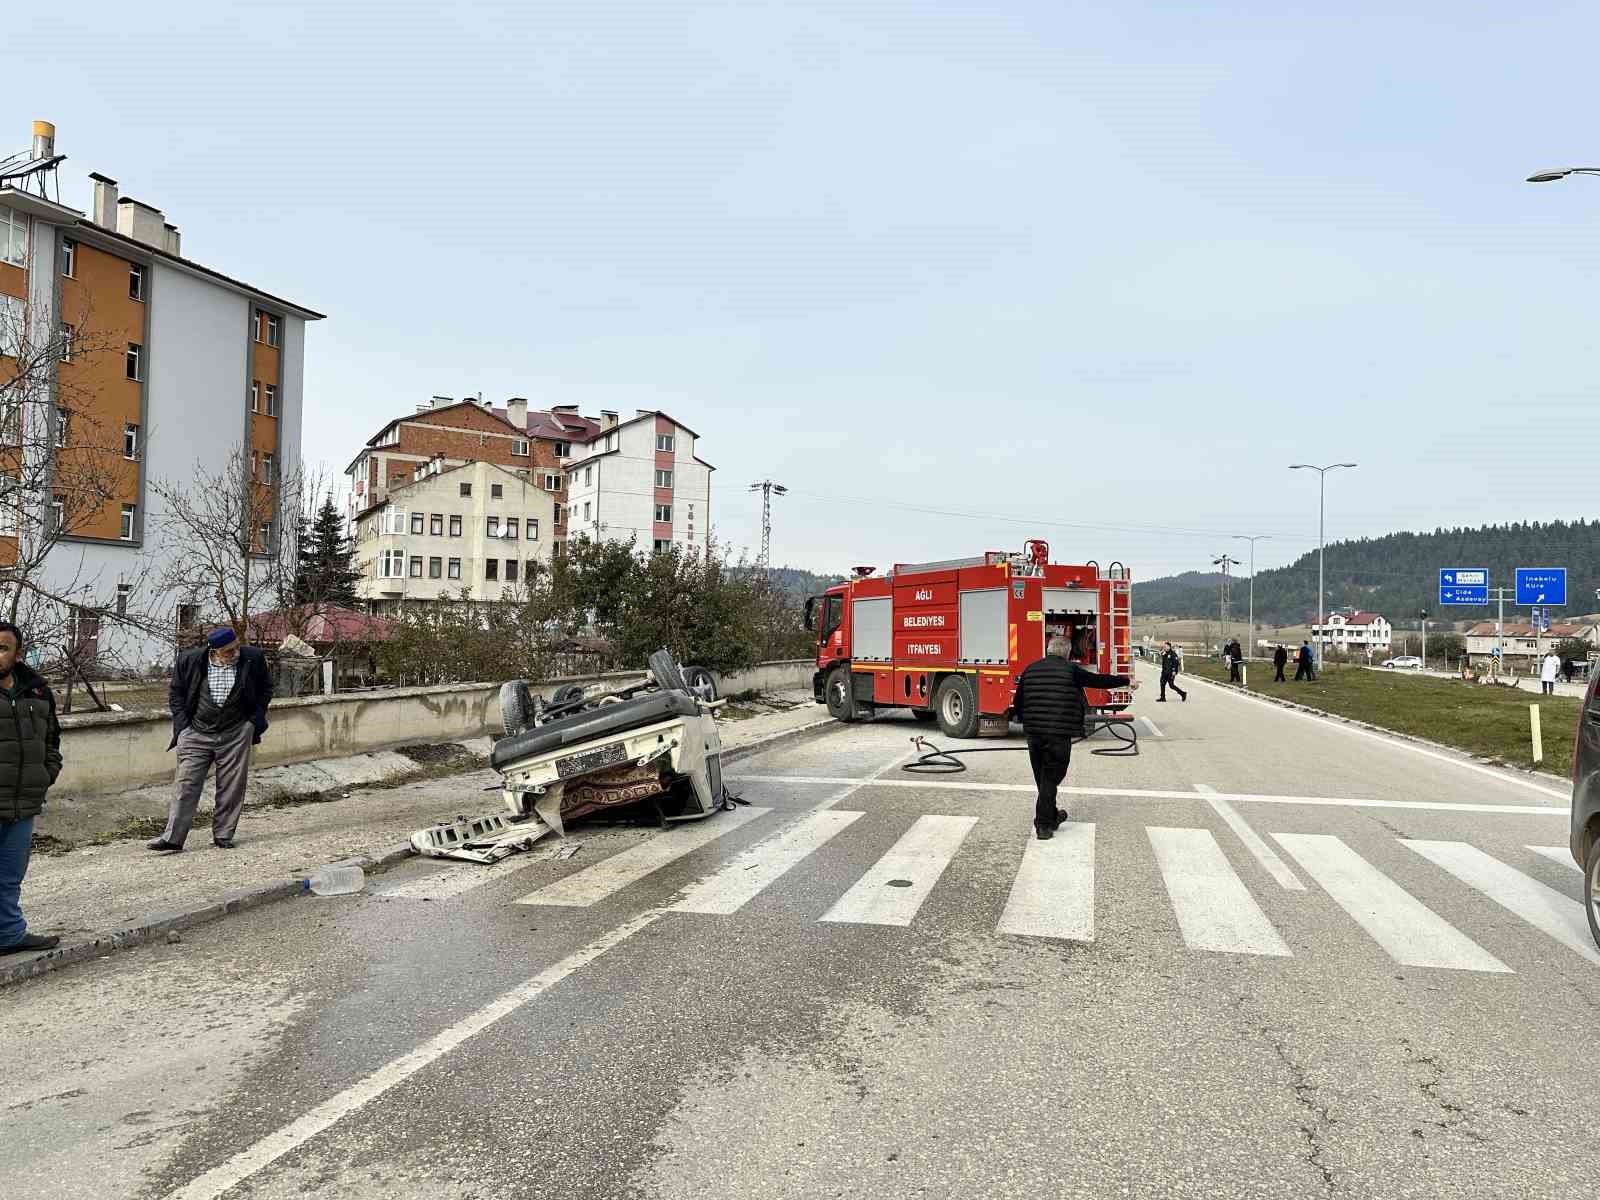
(957, 707)
(841, 703)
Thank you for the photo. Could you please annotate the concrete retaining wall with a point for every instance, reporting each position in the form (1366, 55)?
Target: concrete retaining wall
(104, 752)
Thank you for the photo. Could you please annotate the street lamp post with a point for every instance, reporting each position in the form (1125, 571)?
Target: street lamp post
(1322, 480)
(1249, 650)
(1561, 173)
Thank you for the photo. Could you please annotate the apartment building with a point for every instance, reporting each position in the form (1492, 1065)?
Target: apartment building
(640, 478)
(163, 363)
(535, 443)
(478, 527)
(1354, 631)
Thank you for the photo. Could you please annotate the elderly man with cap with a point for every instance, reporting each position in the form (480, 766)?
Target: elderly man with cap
(219, 697)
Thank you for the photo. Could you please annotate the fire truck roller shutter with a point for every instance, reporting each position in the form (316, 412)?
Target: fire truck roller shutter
(985, 633)
(1071, 601)
(871, 636)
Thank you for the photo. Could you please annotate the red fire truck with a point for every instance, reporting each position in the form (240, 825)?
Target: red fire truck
(948, 639)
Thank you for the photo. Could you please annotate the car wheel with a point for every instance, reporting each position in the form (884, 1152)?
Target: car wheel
(701, 683)
(841, 702)
(1591, 890)
(516, 707)
(957, 707)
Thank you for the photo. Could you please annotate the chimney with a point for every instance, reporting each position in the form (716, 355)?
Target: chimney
(174, 239)
(105, 201)
(141, 223)
(608, 419)
(517, 412)
(44, 139)
(441, 402)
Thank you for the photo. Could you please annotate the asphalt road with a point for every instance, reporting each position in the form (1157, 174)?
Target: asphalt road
(1270, 956)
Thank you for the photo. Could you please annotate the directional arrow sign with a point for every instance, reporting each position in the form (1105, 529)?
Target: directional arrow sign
(1463, 585)
(1541, 585)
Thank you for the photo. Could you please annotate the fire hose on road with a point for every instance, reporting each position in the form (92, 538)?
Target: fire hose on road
(936, 761)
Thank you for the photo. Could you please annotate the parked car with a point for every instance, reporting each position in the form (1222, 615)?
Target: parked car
(1406, 662)
(1586, 802)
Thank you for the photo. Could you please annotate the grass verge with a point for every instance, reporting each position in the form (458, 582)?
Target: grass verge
(1489, 722)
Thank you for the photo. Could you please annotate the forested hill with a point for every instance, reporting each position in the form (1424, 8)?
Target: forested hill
(1396, 575)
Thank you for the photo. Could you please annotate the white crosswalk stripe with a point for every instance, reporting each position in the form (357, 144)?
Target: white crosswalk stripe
(1215, 910)
(892, 891)
(1408, 930)
(1053, 895)
(609, 875)
(1558, 854)
(1541, 906)
(748, 874)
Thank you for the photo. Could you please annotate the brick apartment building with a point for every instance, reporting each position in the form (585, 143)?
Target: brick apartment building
(534, 444)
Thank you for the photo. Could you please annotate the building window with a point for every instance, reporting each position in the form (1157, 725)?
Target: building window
(494, 527)
(552, 481)
(491, 569)
(124, 590)
(436, 525)
(135, 281)
(264, 536)
(511, 528)
(416, 566)
(416, 522)
(266, 468)
(69, 257)
(272, 400)
(663, 545)
(272, 330)
(588, 476)
(533, 529)
(58, 515)
(585, 510)
(528, 570)
(511, 570)
(392, 564)
(13, 237)
(455, 568)
(62, 419)
(519, 447)
(255, 324)
(563, 449)
(135, 361)
(665, 443)
(13, 314)
(130, 441)
(611, 441)
(497, 491)
(255, 395)
(455, 526)
(663, 479)
(435, 568)
(663, 512)
(69, 334)
(466, 489)
(129, 512)
(555, 515)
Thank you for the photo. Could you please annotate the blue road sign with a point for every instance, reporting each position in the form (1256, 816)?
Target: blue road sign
(1542, 585)
(1463, 585)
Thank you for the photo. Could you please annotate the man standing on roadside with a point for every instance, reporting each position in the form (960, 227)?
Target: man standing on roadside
(30, 760)
(219, 698)
(1049, 702)
(1303, 666)
(1169, 675)
(1280, 660)
(1235, 658)
(1549, 672)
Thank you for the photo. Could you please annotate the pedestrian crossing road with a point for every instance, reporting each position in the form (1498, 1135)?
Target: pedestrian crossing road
(1051, 893)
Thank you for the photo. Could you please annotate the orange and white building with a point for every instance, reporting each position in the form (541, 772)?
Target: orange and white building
(640, 479)
(192, 364)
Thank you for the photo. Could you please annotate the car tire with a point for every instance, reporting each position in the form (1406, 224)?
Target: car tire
(1591, 890)
(701, 683)
(837, 691)
(516, 707)
(956, 704)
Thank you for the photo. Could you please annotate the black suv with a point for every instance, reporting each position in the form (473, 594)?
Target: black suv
(1586, 802)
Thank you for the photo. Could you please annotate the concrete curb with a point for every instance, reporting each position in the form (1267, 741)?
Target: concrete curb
(141, 930)
(1453, 751)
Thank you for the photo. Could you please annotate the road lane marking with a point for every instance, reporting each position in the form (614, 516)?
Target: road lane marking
(1215, 910)
(1265, 854)
(609, 875)
(892, 891)
(1407, 929)
(233, 1171)
(1397, 743)
(1053, 894)
(855, 785)
(1558, 854)
(1541, 906)
(1534, 810)
(1152, 727)
(747, 875)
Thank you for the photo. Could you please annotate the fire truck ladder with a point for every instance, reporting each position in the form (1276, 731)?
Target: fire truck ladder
(1121, 619)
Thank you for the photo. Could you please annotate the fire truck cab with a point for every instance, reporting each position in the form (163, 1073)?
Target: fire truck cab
(948, 640)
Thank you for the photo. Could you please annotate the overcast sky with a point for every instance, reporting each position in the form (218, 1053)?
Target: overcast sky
(1021, 263)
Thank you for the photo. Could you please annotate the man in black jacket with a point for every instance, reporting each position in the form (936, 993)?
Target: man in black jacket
(219, 698)
(1049, 702)
(1280, 660)
(1169, 674)
(30, 760)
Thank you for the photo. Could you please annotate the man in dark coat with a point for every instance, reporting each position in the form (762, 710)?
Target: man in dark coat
(1235, 653)
(1049, 702)
(30, 760)
(1305, 665)
(219, 698)
(1280, 660)
(1170, 662)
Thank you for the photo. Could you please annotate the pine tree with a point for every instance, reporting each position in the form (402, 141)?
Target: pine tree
(327, 573)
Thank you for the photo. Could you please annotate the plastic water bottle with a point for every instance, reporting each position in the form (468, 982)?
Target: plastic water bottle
(335, 881)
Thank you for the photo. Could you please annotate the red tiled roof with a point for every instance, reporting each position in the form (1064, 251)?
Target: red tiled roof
(556, 427)
(327, 624)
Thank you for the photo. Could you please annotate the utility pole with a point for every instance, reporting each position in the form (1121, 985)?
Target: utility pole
(1424, 615)
(766, 487)
(1223, 561)
(1249, 650)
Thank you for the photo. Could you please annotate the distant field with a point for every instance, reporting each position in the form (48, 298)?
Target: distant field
(1192, 632)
